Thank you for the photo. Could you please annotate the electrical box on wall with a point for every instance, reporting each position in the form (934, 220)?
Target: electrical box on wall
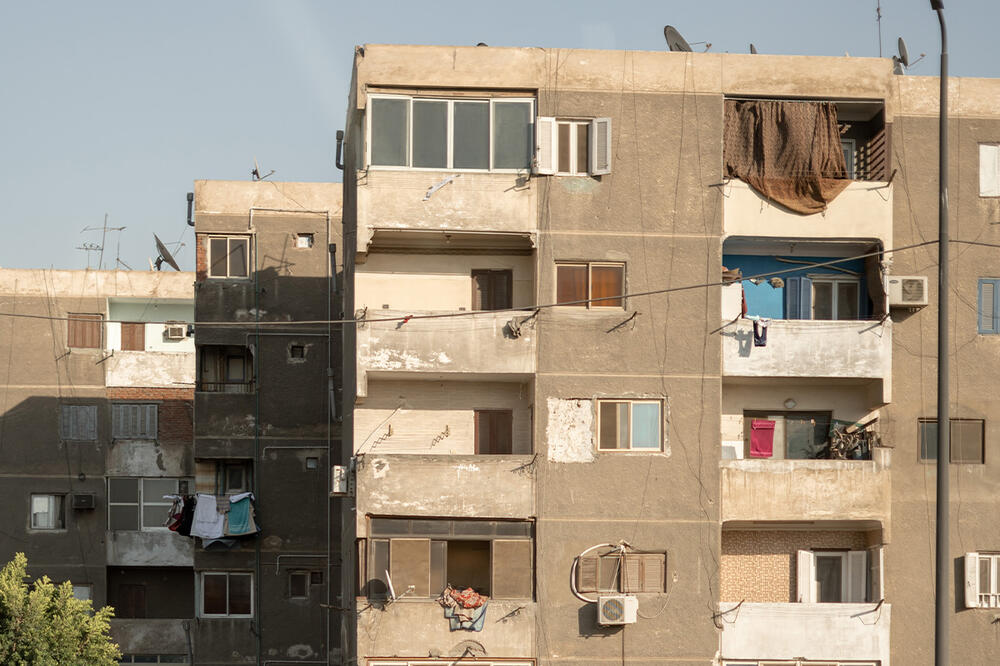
(617, 609)
(341, 481)
(906, 291)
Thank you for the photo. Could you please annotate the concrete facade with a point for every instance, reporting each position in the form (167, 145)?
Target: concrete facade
(61, 370)
(667, 215)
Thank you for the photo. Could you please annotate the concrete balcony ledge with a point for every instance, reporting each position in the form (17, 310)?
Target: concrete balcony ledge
(838, 632)
(798, 490)
(148, 636)
(480, 343)
(850, 350)
(150, 369)
(154, 548)
(453, 486)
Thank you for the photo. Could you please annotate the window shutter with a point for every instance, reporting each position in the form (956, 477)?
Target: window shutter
(987, 307)
(65, 423)
(600, 146)
(439, 566)
(586, 573)
(989, 170)
(90, 416)
(151, 422)
(652, 572)
(972, 580)
(857, 576)
(410, 564)
(631, 575)
(876, 562)
(804, 576)
(512, 569)
(798, 298)
(545, 130)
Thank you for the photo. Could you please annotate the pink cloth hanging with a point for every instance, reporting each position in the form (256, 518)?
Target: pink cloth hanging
(761, 438)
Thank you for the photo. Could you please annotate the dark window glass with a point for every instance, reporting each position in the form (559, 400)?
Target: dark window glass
(512, 138)
(430, 134)
(607, 281)
(571, 284)
(582, 146)
(967, 440)
(471, 135)
(298, 584)
(238, 257)
(494, 431)
(390, 131)
(565, 146)
(219, 251)
(239, 594)
(469, 565)
(829, 573)
(491, 290)
(214, 594)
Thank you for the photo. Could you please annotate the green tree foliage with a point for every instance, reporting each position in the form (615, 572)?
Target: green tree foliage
(45, 625)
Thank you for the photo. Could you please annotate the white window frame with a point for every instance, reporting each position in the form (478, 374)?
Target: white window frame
(574, 130)
(862, 579)
(228, 237)
(56, 507)
(631, 402)
(227, 574)
(989, 170)
(834, 281)
(975, 596)
(141, 504)
(492, 101)
(599, 149)
(849, 147)
(590, 305)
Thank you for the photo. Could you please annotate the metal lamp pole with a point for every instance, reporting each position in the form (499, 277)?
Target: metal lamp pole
(942, 613)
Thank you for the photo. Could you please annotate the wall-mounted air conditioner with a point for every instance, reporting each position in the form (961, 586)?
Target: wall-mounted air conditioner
(617, 609)
(176, 331)
(84, 501)
(906, 291)
(341, 481)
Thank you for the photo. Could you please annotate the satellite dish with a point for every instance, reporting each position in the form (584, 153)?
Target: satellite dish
(904, 57)
(164, 255)
(753, 49)
(674, 39)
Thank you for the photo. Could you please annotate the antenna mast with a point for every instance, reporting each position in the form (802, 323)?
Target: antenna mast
(878, 20)
(94, 247)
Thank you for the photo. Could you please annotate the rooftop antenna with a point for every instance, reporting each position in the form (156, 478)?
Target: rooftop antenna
(164, 255)
(674, 39)
(878, 21)
(255, 174)
(753, 49)
(99, 248)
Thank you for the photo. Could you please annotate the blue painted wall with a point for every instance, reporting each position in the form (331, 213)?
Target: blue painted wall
(766, 301)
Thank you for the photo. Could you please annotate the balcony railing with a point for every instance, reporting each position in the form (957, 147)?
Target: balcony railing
(227, 387)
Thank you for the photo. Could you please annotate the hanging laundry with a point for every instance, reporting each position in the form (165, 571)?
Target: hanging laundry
(208, 522)
(240, 519)
(465, 609)
(175, 513)
(760, 332)
(761, 438)
(187, 517)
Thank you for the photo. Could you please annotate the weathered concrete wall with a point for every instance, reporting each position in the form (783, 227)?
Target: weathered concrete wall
(150, 636)
(133, 368)
(807, 489)
(149, 549)
(784, 631)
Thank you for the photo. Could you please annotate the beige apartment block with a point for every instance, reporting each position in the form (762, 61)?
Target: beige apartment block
(555, 394)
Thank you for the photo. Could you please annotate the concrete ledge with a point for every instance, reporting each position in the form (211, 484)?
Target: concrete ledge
(161, 548)
(150, 636)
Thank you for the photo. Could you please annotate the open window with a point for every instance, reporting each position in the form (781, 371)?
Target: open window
(982, 571)
(494, 431)
(625, 425)
(226, 369)
(781, 435)
(573, 147)
(839, 576)
(492, 289)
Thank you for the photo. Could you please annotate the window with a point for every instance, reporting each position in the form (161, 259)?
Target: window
(597, 285)
(133, 421)
(573, 147)
(229, 256)
(153, 659)
(981, 575)
(48, 512)
(989, 170)
(633, 572)
(494, 431)
(78, 422)
(298, 584)
(494, 558)
(491, 290)
(967, 442)
(798, 662)
(629, 424)
(133, 336)
(848, 146)
(139, 504)
(226, 594)
(312, 463)
(781, 435)
(226, 369)
(84, 331)
(989, 305)
(443, 133)
(83, 591)
(232, 478)
(835, 298)
(297, 351)
(304, 241)
(839, 576)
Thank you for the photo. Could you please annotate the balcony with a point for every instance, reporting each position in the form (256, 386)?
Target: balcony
(150, 636)
(756, 490)
(149, 368)
(481, 344)
(160, 548)
(837, 632)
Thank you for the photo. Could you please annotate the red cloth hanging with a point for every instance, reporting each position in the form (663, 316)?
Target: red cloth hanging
(761, 438)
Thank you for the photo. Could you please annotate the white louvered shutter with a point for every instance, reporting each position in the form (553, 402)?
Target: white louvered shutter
(857, 576)
(876, 564)
(600, 146)
(804, 577)
(989, 170)
(545, 132)
(972, 580)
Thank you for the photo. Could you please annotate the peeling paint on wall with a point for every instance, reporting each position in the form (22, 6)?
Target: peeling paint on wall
(570, 430)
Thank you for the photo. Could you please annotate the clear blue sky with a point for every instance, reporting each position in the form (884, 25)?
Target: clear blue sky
(117, 107)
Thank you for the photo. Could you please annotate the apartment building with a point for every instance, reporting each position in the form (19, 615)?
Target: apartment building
(267, 420)
(654, 383)
(95, 428)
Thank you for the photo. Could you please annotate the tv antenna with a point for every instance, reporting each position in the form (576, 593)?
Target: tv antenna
(164, 255)
(255, 174)
(89, 247)
(753, 49)
(675, 42)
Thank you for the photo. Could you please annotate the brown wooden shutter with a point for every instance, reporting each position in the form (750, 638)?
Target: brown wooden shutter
(586, 573)
(653, 565)
(133, 336)
(632, 574)
(607, 281)
(513, 574)
(131, 601)
(84, 331)
(967, 441)
(491, 290)
(571, 284)
(409, 564)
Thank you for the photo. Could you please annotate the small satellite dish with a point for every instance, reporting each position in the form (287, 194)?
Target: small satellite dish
(904, 57)
(753, 49)
(674, 39)
(164, 255)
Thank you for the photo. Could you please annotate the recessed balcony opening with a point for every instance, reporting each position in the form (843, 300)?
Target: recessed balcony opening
(225, 369)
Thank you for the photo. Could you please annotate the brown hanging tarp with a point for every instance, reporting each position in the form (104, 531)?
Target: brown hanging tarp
(788, 151)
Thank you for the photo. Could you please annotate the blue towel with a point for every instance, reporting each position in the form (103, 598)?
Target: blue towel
(240, 519)
(475, 624)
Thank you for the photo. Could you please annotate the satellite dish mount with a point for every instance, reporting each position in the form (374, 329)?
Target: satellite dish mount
(674, 39)
(164, 255)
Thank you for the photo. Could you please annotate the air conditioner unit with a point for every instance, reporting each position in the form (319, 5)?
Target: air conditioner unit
(341, 481)
(84, 501)
(176, 331)
(617, 609)
(906, 291)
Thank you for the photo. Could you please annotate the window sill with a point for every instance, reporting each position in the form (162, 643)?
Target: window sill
(43, 530)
